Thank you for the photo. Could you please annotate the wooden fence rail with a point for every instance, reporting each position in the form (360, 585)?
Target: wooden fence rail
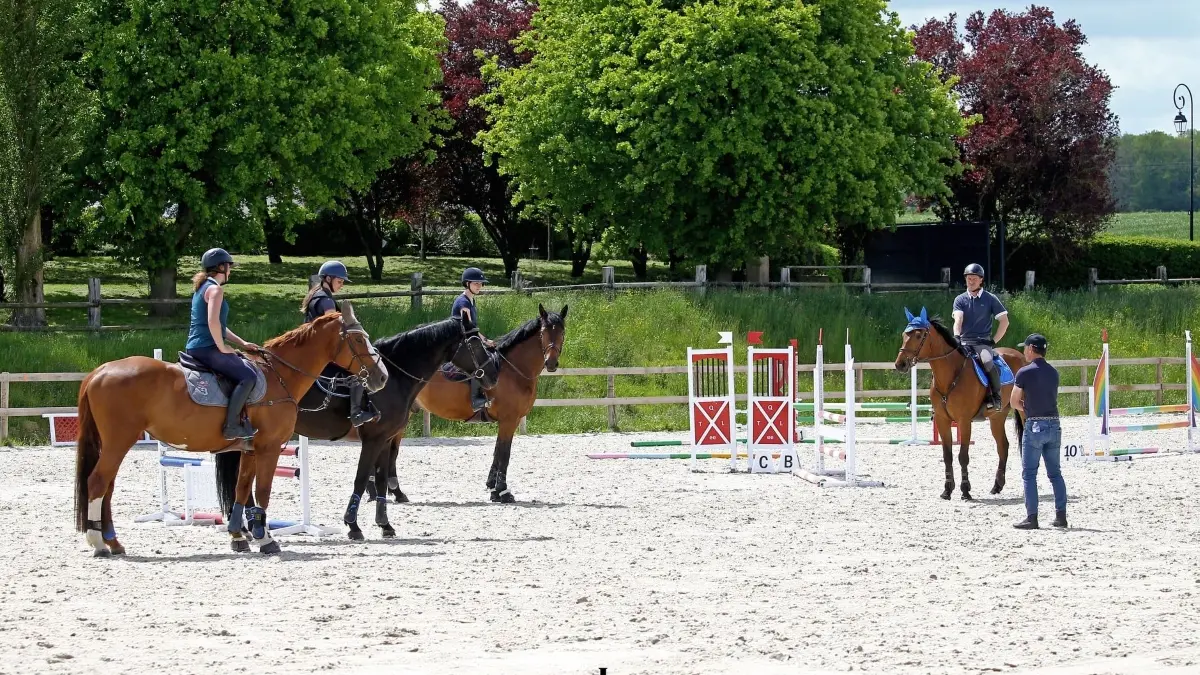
(417, 291)
(611, 401)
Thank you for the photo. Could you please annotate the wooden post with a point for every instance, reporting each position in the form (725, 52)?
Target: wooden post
(946, 278)
(1162, 274)
(608, 276)
(523, 429)
(1093, 277)
(416, 285)
(1158, 393)
(516, 280)
(425, 423)
(314, 280)
(785, 278)
(701, 278)
(612, 409)
(858, 377)
(867, 280)
(3, 404)
(94, 300)
(1029, 275)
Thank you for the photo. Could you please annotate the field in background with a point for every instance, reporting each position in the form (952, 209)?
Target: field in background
(634, 329)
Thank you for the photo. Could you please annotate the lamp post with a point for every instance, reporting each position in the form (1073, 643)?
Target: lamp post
(1181, 123)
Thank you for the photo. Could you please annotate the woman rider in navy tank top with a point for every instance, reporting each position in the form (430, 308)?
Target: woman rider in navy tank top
(207, 335)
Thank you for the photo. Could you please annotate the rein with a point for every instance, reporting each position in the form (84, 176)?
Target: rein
(269, 357)
(916, 358)
(545, 354)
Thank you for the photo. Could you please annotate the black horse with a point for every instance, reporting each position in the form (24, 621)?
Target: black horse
(412, 358)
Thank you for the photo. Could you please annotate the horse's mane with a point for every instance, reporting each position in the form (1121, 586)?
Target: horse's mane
(944, 331)
(301, 334)
(419, 343)
(525, 331)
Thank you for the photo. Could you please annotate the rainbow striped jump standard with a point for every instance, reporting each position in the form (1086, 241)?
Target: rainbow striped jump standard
(1101, 429)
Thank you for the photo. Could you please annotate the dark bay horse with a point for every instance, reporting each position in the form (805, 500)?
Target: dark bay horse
(957, 394)
(120, 400)
(411, 358)
(524, 352)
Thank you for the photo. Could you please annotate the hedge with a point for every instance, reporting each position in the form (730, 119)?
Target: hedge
(1115, 256)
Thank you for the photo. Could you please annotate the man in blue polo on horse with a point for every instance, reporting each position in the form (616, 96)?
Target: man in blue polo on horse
(973, 314)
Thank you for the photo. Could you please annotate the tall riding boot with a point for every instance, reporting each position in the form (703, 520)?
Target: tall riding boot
(994, 395)
(359, 416)
(478, 398)
(235, 428)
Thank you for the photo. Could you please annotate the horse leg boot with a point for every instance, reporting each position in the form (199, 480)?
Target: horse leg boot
(235, 427)
(358, 415)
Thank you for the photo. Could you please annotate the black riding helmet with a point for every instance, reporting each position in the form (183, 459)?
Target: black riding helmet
(974, 268)
(473, 274)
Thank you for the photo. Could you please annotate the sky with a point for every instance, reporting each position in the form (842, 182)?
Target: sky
(1146, 47)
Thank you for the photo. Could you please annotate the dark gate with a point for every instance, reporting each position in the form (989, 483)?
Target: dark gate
(917, 252)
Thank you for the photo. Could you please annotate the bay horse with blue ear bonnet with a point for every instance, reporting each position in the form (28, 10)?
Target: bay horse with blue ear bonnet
(958, 392)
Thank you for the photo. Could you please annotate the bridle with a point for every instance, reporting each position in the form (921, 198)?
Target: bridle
(913, 360)
(358, 359)
(548, 346)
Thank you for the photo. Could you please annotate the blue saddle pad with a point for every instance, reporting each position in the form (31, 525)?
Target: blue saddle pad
(1006, 374)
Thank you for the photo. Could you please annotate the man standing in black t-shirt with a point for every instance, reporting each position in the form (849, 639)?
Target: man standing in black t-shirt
(1035, 396)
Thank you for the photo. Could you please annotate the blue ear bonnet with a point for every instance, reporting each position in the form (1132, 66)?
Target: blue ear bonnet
(916, 322)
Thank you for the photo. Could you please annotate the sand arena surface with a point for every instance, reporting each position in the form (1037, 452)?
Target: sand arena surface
(636, 566)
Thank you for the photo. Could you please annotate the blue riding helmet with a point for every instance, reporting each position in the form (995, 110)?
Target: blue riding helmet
(473, 274)
(974, 268)
(214, 257)
(335, 269)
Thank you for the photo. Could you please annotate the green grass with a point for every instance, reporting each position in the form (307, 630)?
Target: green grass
(1166, 225)
(635, 328)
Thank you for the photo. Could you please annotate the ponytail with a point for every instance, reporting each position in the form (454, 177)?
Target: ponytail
(199, 278)
(311, 292)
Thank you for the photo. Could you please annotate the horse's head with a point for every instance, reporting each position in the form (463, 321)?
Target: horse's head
(915, 345)
(554, 331)
(356, 353)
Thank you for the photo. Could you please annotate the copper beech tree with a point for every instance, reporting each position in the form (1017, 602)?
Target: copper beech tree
(1038, 155)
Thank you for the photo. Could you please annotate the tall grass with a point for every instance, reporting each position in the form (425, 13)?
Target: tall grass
(1163, 224)
(655, 328)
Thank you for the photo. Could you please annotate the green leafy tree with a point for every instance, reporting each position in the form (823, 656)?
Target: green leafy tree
(716, 131)
(220, 115)
(43, 110)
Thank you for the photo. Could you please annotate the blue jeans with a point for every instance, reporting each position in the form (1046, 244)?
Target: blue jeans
(229, 365)
(1042, 440)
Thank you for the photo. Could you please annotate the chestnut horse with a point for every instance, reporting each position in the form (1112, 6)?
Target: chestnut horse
(524, 352)
(411, 358)
(120, 400)
(957, 394)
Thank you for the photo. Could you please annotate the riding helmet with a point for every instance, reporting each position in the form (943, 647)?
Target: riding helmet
(214, 257)
(473, 274)
(335, 269)
(974, 268)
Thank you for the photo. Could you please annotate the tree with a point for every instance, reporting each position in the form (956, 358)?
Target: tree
(717, 131)
(218, 115)
(1039, 158)
(43, 110)
(478, 31)
(1151, 172)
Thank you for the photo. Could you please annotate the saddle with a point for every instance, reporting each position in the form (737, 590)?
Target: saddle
(208, 388)
(455, 374)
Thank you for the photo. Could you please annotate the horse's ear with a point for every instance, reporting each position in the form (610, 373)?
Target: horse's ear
(924, 316)
(908, 315)
(348, 317)
(563, 314)
(542, 312)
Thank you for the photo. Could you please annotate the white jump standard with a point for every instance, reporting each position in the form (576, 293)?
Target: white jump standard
(824, 430)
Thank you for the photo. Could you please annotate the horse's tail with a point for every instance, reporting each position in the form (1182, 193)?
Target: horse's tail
(1020, 428)
(228, 466)
(87, 455)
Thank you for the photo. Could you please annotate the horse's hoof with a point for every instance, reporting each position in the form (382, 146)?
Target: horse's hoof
(946, 494)
(116, 549)
(387, 531)
(239, 545)
(356, 535)
(504, 497)
(997, 489)
(967, 497)
(270, 548)
(401, 498)
(101, 553)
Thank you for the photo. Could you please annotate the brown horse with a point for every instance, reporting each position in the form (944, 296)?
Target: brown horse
(957, 394)
(524, 352)
(120, 400)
